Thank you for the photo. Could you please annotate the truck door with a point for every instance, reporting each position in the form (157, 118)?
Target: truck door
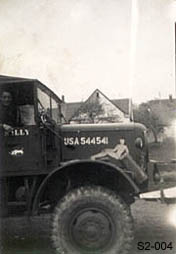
(20, 147)
(48, 112)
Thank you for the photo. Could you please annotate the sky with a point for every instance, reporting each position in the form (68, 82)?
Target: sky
(76, 46)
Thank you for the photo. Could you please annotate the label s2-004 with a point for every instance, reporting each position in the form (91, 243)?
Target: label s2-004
(154, 246)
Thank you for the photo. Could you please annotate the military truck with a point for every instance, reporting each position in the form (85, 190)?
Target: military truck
(50, 166)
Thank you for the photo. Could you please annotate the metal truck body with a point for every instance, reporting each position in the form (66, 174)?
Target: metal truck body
(45, 163)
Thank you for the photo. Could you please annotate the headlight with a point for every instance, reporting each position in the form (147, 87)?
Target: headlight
(139, 143)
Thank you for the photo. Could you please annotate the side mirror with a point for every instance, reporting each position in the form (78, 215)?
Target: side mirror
(43, 117)
(46, 119)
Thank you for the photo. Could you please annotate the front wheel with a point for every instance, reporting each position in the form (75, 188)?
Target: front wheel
(92, 220)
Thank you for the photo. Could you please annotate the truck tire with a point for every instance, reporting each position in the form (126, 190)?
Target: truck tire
(92, 220)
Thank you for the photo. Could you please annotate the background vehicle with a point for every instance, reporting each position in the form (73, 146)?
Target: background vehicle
(46, 166)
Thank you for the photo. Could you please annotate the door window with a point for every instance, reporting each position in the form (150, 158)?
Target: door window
(49, 105)
(54, 110)
(44, 102)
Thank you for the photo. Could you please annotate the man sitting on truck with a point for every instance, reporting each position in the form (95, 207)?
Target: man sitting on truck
(121, 153)
(9, 115)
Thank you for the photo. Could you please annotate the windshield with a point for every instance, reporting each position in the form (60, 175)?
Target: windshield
(48, 105)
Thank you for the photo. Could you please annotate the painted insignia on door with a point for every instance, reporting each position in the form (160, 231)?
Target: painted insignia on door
(17, 152)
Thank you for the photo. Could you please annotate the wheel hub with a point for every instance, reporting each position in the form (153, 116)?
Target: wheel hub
(91, 229)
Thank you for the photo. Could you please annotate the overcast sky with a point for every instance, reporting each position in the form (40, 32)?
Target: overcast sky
(76, 46)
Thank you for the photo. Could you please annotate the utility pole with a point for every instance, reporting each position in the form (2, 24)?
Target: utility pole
(132, 52)
(175, 59)
(133, 42)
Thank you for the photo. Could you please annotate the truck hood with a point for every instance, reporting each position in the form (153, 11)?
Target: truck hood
(102, 127)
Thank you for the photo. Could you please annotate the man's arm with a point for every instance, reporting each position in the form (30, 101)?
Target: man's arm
(6, 127)
(116, 148)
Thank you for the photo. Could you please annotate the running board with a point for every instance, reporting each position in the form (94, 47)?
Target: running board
(164, 195)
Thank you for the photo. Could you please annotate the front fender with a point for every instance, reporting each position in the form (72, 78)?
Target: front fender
(72, 165)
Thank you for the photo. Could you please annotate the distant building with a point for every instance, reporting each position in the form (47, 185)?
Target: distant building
(165, 110)
(98, 108)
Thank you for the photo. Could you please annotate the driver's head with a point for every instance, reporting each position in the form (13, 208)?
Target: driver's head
(6, 98)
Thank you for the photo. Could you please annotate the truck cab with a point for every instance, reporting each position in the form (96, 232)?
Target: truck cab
(30, 148)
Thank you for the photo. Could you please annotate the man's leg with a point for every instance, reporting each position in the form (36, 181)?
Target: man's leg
(131, 165)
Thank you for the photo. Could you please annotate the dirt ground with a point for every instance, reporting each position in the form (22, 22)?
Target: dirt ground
(151, 220)
(165, 151)
(32, 236)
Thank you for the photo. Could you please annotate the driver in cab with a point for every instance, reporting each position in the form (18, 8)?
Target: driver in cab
(9, 115)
